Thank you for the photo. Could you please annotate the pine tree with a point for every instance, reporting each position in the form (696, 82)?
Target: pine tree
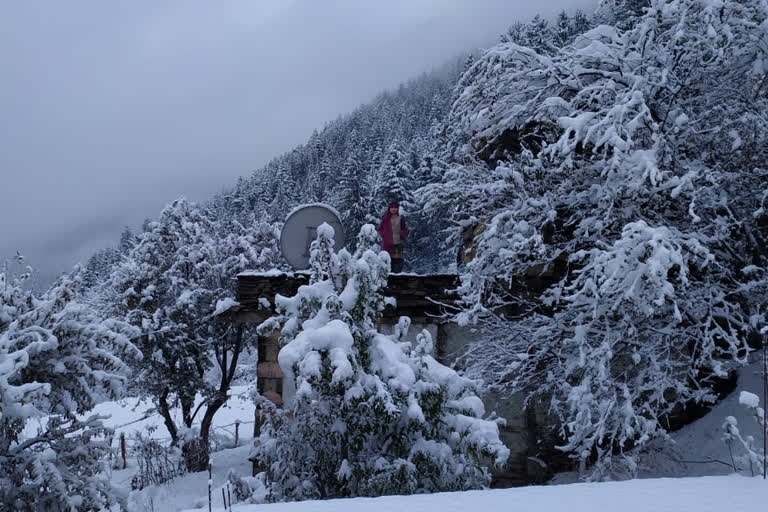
(429, 170)
(352, 194)
(373, 414)
(286, 193)
(563, 30)
(318, 181)
(515, 34)
(581, 22)
(623, 14)
(539, 36)
(394, 182)
(127, 241)
(99, 266)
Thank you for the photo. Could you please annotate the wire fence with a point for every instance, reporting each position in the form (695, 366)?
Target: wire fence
(153, 457)
(233, 429)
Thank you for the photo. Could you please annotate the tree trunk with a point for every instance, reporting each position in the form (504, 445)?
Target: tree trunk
(187, 404)
(198, 448)
(165, 412)
(201, 458)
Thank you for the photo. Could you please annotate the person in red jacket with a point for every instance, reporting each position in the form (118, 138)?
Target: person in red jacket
(393, 232)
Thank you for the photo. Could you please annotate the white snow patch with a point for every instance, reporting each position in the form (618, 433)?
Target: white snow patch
(224, 305)
(748, 399)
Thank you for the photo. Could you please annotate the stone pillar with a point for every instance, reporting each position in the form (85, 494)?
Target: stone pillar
(268, 372)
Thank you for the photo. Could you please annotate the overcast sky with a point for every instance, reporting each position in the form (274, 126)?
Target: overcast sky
(110, 109)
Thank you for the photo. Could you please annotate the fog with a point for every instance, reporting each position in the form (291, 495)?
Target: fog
(108, 110)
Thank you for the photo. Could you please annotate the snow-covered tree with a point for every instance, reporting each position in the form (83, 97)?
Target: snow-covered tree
(562, 30)
(539, 35)
(157, 289)
(352, 195)
(394, 181)
(581, 22)
(629, 167)
(373, 414)
(57, 360)
(16, 298)
(172, 285)
(752, 457)
(99, 266)
(286, 192)
(429, 170)
(514, 34)
(623, 14)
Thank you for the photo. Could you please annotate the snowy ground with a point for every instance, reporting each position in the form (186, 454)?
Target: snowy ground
(707, 494)
(130, 415)
(697, 452)
(189, 491)
(698, 449)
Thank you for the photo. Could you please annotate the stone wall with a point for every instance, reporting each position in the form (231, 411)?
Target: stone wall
(523, 429)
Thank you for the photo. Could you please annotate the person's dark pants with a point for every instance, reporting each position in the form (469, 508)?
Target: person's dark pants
(397, 265)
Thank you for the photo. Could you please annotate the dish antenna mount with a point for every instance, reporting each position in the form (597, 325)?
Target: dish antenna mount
(300, 229)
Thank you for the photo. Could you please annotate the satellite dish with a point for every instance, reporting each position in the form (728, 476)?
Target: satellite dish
(300, 229)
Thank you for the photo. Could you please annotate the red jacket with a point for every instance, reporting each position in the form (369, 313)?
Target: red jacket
(385, 229)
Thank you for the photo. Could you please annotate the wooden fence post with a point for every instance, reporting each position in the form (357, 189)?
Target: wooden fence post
(256, 423)
(210, 481)
(122, 449)
(765, 404)
(237, 431)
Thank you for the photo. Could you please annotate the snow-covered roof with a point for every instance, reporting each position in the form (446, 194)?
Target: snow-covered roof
(265, 273)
